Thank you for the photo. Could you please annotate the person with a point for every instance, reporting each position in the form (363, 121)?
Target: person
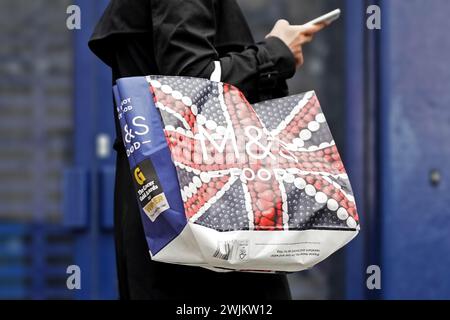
(184, 38)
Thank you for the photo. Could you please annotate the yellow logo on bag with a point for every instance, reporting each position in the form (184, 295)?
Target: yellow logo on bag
(139, 176)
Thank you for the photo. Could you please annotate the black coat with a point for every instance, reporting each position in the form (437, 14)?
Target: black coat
(184, 37)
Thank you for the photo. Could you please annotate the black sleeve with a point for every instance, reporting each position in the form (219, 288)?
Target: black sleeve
(184, 33)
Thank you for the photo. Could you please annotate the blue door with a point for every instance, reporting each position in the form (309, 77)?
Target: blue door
(398, 125)
(414, 149)
(89, 183)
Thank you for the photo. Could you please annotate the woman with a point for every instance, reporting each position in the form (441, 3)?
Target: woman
(185, 37)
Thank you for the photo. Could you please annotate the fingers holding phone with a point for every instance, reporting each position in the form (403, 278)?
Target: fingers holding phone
(295, 36)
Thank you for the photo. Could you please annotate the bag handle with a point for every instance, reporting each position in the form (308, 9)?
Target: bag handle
(217, 73)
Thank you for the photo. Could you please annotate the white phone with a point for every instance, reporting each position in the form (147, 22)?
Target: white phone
(328, 18)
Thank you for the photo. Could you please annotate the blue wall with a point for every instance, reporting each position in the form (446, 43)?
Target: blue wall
(398, 126)
(414, 133)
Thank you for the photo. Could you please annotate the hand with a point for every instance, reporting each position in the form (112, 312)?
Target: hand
(295, 36)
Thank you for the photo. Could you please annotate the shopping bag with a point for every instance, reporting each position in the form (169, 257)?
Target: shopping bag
(226, 185)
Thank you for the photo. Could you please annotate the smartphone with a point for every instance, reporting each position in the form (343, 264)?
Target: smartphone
(328, 18)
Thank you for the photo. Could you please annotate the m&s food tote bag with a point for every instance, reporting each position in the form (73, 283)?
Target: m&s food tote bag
(226, 185)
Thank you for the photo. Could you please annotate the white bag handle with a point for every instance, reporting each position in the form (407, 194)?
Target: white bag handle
(217, 73)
